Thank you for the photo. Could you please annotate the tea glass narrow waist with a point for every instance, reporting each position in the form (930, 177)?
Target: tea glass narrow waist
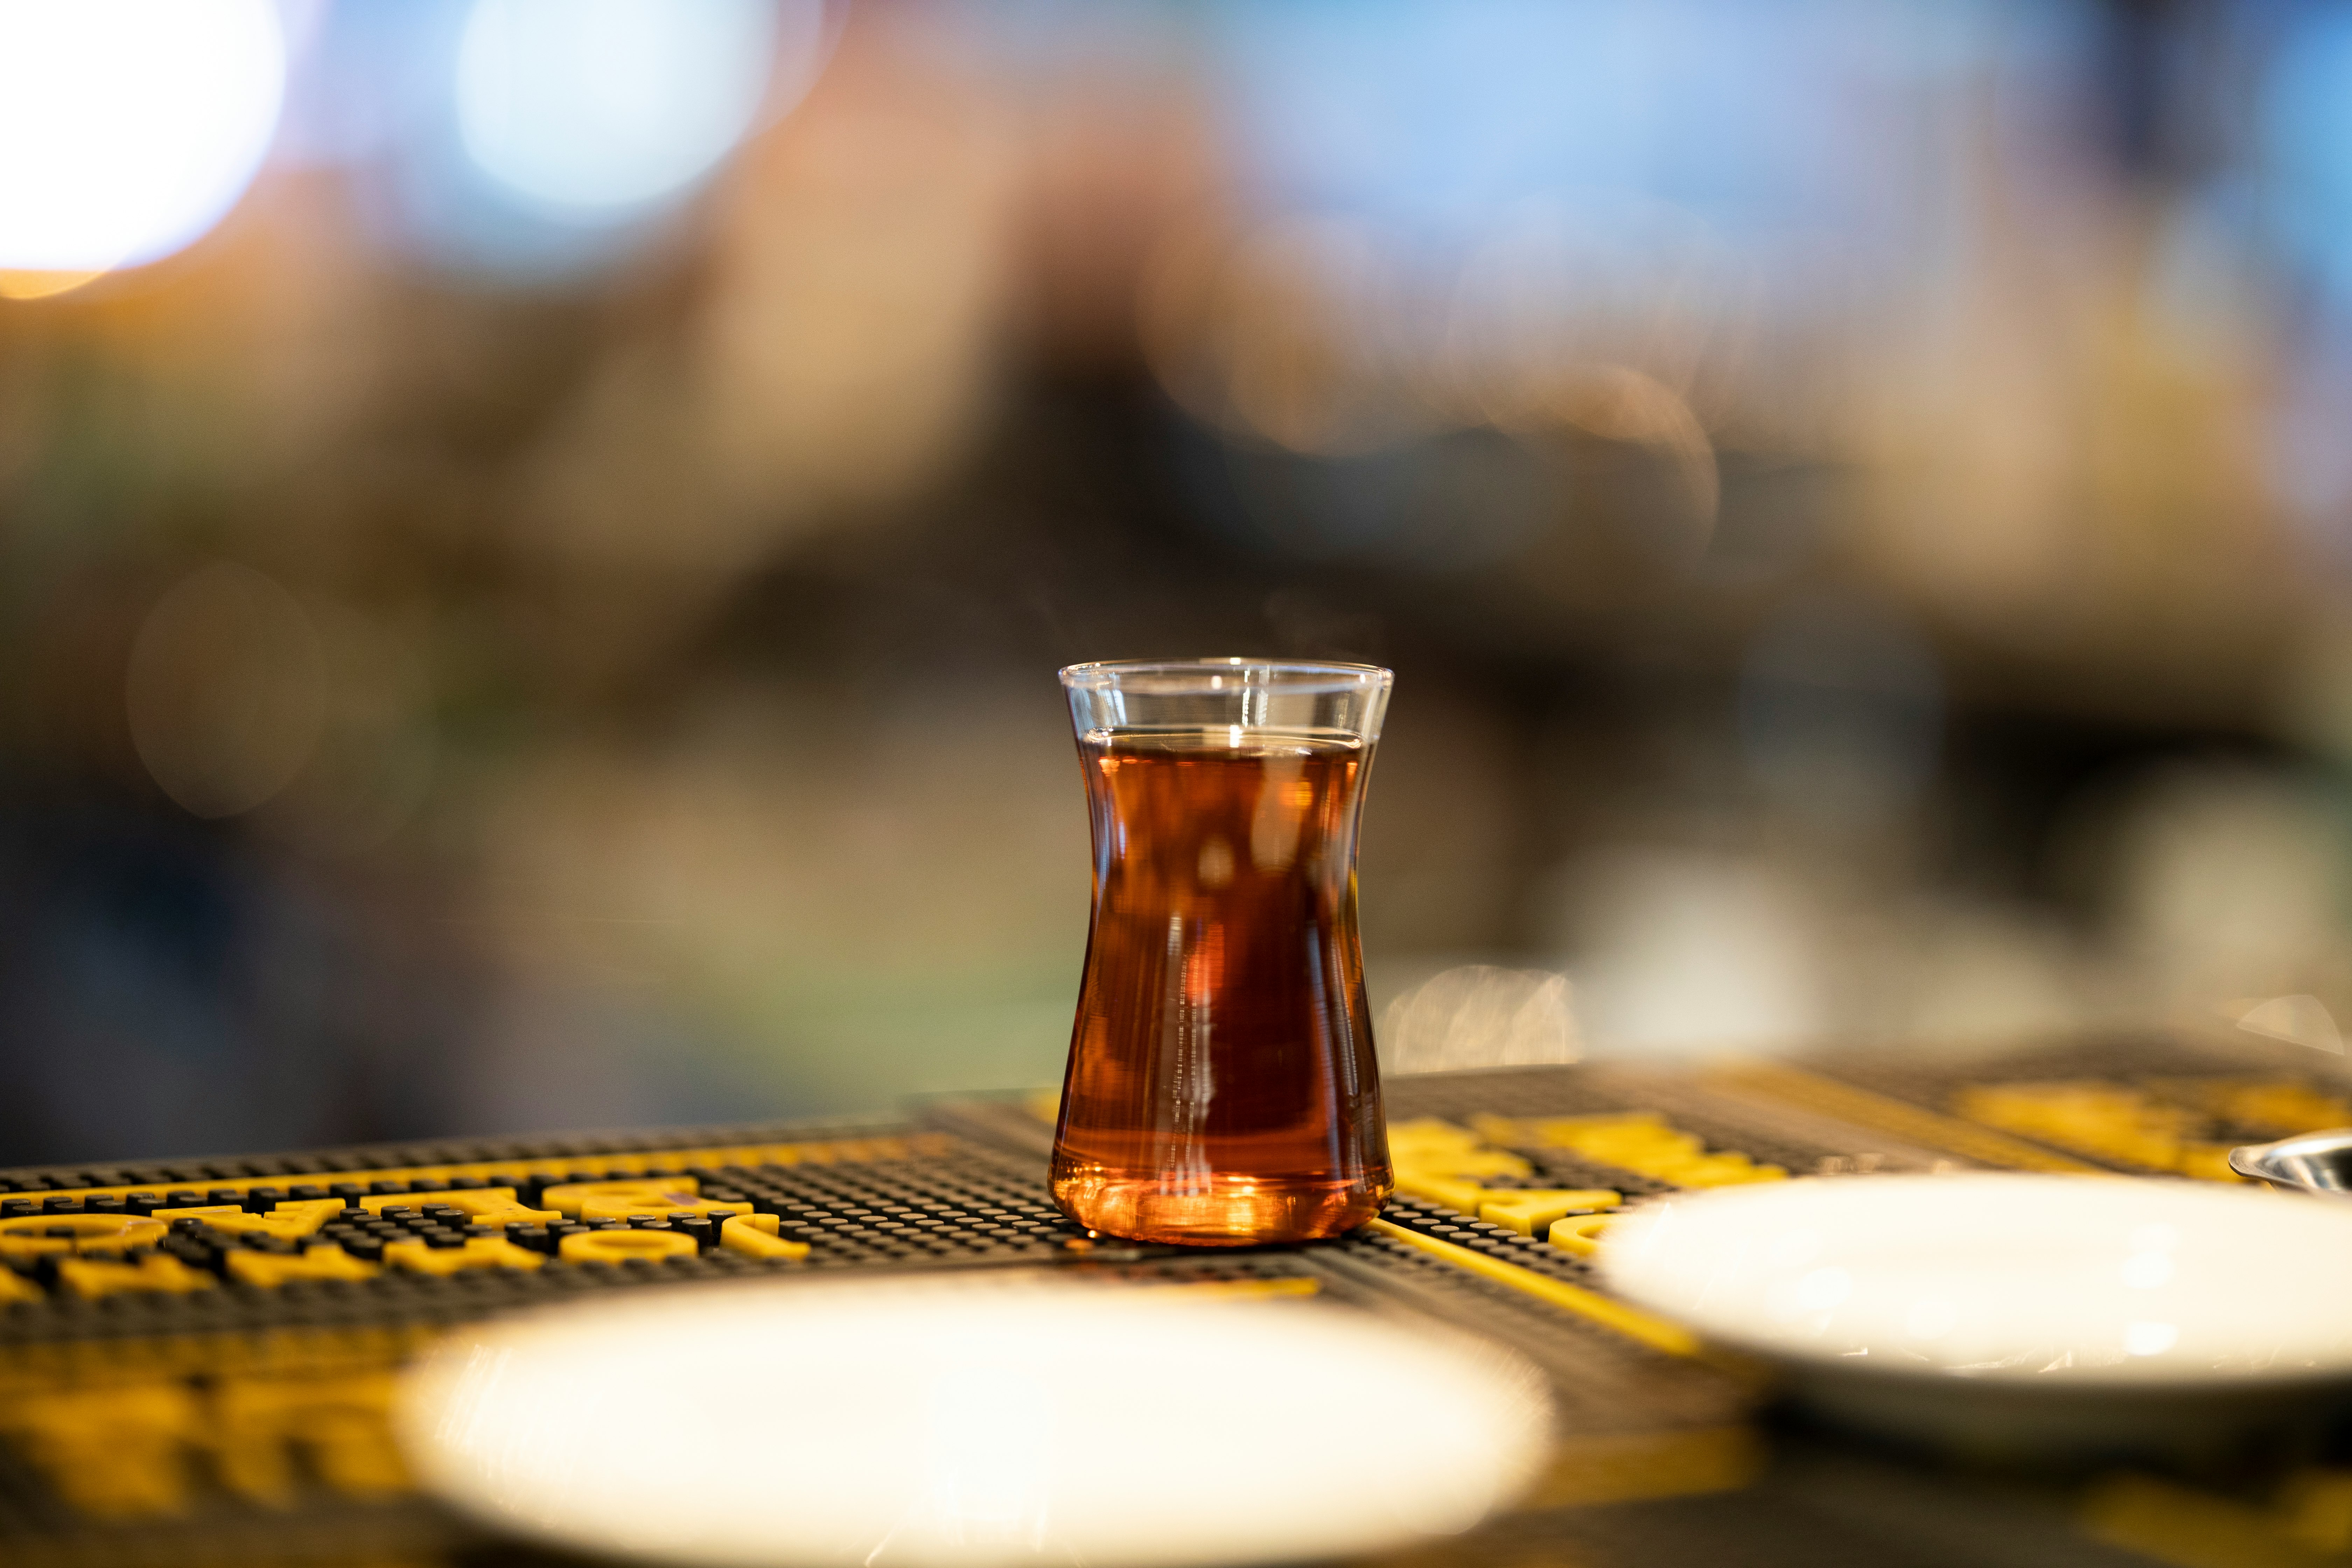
(1221, 1088)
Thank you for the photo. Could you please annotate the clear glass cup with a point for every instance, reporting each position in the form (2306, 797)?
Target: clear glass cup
(1221, 1088)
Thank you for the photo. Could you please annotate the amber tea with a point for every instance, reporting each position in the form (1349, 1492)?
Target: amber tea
(1222, 1087)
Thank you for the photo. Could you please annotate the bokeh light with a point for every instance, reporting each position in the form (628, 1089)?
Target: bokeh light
(127, 128)
(225, 689)
(598, 106)
(2307, 127)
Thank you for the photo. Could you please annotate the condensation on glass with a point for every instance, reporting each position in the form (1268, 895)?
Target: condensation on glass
(1221, 1088)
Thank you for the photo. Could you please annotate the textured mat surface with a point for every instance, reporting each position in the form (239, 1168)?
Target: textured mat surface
(197, 1356)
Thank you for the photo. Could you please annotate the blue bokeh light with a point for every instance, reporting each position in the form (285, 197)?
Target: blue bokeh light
(542, 141)
(1432, 116)
(2306, 126)
(589, 108)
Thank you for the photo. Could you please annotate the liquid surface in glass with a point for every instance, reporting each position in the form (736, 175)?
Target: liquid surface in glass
(1221, 1086)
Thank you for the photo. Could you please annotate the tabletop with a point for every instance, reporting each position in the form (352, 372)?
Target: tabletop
(198, 1356)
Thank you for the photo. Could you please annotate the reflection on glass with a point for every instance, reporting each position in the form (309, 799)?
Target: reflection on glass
(1221, 1088)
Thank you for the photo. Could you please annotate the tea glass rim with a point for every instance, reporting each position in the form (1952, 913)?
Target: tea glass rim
(1305, 675)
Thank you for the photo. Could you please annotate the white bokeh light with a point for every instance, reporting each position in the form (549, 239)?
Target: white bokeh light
(128, 127)
(592, 108)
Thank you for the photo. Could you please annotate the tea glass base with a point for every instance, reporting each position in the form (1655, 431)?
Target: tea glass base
(1217, 1209)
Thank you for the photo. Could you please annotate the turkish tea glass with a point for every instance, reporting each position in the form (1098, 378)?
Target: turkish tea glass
(1222, 1090)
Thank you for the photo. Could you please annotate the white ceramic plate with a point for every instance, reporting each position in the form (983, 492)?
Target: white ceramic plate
(969, 1423)
(2059, 1300)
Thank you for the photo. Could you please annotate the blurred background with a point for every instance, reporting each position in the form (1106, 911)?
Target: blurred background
(537, 533)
